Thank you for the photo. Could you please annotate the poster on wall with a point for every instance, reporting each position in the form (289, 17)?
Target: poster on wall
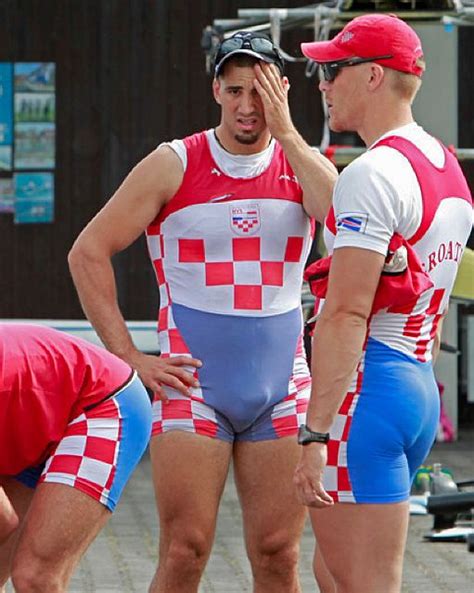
(34, 197)
(35, 112)
(6, 115)
(7, 195)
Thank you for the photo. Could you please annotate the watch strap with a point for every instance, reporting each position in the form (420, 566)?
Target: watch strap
(306, 436)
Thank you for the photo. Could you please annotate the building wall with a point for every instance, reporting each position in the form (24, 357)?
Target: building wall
(129, 75)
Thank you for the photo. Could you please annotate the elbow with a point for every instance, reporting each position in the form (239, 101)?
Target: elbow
(82, 254)
(333, 174)
(75, 257)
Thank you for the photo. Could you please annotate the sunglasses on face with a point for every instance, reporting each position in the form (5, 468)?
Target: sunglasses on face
(260, 45)
(331, 69)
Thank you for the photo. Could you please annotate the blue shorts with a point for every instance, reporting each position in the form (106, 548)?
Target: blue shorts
(384, 429)
(100, 448)
(254, 381)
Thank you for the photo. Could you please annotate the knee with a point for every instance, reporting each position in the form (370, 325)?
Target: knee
(186, 552)
(276, 556)
(28, 577)
(9, 520)
(8, 525)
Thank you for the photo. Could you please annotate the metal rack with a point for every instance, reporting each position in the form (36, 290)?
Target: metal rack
(274, 20)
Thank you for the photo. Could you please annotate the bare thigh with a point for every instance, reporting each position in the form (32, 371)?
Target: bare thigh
(189, 473)
(363, 545)
(60, 524)
(264, 478)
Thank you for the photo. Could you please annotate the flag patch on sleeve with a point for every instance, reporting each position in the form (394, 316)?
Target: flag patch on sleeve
(352, 221)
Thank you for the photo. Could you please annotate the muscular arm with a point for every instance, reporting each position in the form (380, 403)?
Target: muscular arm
(316, 174)
(147, 188)
(341, 330)
(337, 347)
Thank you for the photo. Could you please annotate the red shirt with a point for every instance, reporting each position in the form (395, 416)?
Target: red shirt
(47, 378)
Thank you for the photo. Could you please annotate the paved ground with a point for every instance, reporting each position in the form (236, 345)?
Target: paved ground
(122, 558)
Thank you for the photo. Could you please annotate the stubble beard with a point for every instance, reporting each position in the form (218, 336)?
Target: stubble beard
(247, 139)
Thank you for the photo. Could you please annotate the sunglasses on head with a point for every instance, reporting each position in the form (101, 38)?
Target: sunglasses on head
(260, 45)
(331, 69)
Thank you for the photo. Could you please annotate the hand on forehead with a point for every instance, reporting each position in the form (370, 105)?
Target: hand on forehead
(271, 73)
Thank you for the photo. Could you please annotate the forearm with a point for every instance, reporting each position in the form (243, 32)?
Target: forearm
(95, 284)
(316, 174)
(337, 347)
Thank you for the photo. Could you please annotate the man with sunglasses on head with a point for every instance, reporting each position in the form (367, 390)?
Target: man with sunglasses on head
(227, 213)
(403, 207)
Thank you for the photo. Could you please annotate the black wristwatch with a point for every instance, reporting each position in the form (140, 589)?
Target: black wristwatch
(306, 436)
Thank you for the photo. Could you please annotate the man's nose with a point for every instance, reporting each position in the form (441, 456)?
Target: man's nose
(247, 104)
(323, 85)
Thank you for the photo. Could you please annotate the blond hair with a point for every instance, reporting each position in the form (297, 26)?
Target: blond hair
(404, 84)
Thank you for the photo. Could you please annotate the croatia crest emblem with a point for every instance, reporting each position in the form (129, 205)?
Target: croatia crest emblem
(245, 220)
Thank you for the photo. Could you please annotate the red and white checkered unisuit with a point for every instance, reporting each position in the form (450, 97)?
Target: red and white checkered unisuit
(231, 246)
(232, 249)
(86, 457)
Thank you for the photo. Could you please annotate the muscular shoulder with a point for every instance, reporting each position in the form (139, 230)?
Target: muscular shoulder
(382, 170)
(375, 196)
(161, 170)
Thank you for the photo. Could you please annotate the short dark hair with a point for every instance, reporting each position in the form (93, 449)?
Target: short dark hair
(240, 60)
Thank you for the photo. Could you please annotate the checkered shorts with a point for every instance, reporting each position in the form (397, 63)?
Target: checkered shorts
(234, 406)
(101, 447)
(193, 414)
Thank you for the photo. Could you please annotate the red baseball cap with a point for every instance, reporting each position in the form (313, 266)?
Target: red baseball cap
(372, 35)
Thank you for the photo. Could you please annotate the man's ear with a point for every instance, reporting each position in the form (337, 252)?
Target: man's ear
(377, 74)
(216, 87)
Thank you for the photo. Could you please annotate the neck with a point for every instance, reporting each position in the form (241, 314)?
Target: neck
(384, 118)
(233, 146)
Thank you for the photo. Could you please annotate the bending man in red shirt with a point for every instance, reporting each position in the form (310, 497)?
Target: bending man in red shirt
(74, 422)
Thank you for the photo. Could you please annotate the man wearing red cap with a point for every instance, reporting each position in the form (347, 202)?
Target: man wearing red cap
(374, 403)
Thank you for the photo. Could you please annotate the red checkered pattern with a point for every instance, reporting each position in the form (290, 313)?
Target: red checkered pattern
(86, 457)
(183, 413)
(246, 249)
(170, 339)
(246, 263)
(194, 415)
(246, 225)
(191, 250)
(421, 327)
(336, 475)
(291, 411)
(172, 344)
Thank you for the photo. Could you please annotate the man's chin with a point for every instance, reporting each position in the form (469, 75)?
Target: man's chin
(339, 126)
(247, 139)
(334, 127)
